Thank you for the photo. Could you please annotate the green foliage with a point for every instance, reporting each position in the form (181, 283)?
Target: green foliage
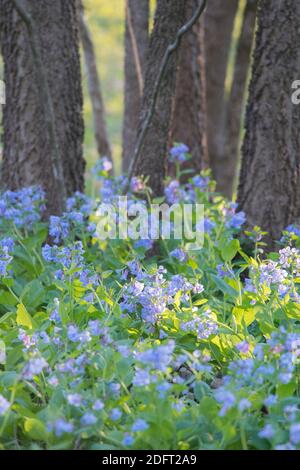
(102, 346)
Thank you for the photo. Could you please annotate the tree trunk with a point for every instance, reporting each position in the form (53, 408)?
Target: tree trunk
(219, 21)
(169, 17)
(189, 117)
(269, 190)
(235, 103)
(28, 145)
(94, 86)
(136, 46)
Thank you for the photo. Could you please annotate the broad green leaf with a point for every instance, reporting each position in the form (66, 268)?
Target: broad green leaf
(192, 263)
(286, 390)
(6, 298)
(35, 429)
(23, 317)
(229, 251)
(33, 294)
(245, 315)
(293, 310)
(224, 287)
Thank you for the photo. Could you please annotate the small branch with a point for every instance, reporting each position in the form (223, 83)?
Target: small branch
(169, 51)
(57, 167)
(135, 49)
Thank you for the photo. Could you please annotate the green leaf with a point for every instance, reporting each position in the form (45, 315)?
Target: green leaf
(35, 429)
(199, 302)
(201, 390)
(8, 379)
(33, 294)
(192, 263)
(208, 408)
(158, 200)
(177, 298)
(6, 316)
(224, 287)
(106, 274)
(286, 390)
(293, 310)
(229, 251)
(23, 317)
(6, 298)
(245, 315)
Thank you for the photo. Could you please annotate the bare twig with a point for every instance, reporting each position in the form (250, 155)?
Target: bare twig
(135, 49)
(169, 51)
(57, 167)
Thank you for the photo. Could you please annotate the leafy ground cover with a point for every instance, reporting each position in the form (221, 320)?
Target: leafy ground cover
(105, 347)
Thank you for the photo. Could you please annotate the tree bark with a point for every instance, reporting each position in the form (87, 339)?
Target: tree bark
(169, 17)
(219, 21)
(189, 116)
(136, 46)
(269, 190)
(235, 103)
(94, 86)
(27, 144)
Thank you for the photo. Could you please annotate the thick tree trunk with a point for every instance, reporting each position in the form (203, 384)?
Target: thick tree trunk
(219, 21)
(189, 117)
(235, 103)
(269, 190)
(94, 86)
(27, 143)
(136, 46)
(169, 17)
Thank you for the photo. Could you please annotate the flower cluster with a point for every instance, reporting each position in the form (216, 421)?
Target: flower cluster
(22, 208)
(6, 249)
(75, 219)
(234, 219)
(204, 325)
(152, 361)
(273, 363)
(151, 294)
(70, 263)
(179, 153)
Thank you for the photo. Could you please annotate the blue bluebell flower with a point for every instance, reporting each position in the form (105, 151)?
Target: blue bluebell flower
(179, 153)
(128, 440)
(88, 419)
(139, 425)
(115, 414)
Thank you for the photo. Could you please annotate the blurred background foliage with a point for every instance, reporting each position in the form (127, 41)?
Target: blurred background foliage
(106, 22)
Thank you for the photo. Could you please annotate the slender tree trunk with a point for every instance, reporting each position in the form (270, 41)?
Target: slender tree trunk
(28, 145)
(269, 190)
(219, 22)
(169, 17)
(235, 103)
(136, 46)
(189, 117)
(94, 86)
